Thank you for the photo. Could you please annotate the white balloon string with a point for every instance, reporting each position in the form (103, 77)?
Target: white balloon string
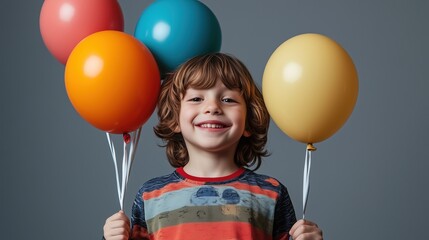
(112, 151)
(127, 160)
(133, 147)
(124, 174)
(306, 181)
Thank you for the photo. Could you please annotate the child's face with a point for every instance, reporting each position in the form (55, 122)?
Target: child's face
(212, 119)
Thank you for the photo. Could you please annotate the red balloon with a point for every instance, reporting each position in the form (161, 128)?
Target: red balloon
(64, 23)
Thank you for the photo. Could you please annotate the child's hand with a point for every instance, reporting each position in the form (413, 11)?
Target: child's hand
(117, 227)
(305, 230)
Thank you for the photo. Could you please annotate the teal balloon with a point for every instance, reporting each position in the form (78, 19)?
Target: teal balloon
(177, 30)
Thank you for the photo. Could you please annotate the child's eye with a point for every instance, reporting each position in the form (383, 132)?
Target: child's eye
(195, 99)
(228, 100)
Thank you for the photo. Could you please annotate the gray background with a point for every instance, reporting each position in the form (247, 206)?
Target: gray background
(368, 181)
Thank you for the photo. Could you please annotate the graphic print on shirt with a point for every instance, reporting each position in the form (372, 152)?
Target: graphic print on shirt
(207, 195)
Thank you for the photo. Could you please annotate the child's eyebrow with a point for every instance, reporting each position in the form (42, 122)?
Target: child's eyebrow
(225, 89)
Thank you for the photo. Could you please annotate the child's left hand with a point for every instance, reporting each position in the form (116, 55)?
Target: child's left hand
(305, 230)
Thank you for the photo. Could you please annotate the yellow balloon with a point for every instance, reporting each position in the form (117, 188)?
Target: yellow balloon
(310, 87)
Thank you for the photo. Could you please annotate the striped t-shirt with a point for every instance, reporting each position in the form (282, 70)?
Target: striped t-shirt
(244, 205)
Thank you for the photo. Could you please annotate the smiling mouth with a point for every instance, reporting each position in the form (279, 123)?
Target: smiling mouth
(211, 125)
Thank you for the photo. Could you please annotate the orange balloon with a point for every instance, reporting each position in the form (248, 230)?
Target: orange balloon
(310, 87)
(113, 81)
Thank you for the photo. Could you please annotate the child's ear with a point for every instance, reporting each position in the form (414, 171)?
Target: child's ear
(246, 133)
(177, 129)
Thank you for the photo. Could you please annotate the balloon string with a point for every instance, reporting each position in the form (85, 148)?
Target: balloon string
(306, 178)
(133, 147)
(124, 175)
(128, 158)
(112, 151)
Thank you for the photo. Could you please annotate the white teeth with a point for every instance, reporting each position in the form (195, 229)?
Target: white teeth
(209, 125)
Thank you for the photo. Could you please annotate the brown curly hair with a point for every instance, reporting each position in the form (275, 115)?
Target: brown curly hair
(202, 72)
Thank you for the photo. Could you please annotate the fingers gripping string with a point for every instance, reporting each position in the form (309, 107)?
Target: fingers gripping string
(306, 177)
(127, 160)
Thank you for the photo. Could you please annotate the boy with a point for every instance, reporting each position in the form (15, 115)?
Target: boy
(214, 122)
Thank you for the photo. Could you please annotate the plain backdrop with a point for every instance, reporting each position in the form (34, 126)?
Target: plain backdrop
(368, 181)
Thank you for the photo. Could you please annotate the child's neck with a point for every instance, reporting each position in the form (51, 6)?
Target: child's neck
(210, 165)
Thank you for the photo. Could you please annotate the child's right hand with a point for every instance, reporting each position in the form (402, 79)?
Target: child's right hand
(117, 227)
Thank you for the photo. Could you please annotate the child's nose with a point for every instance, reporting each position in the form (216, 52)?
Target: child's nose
(212, 107)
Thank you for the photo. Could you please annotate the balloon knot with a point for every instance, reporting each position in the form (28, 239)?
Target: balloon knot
(310, 147)
(127, 138)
